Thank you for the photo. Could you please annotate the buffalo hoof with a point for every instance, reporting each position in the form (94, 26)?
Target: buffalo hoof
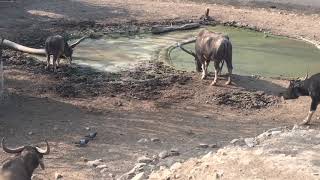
(203, 77)
(304, 122)
(213, 83)
(228, 83)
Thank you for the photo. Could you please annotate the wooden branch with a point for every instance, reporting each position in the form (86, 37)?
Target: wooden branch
(207, 13)
(164, 29)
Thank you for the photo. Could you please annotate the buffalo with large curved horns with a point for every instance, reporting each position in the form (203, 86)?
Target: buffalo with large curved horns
(214, 47)
(56, 46)
(22, 166)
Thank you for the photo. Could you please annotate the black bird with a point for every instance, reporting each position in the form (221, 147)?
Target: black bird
(82, 142)
(91, 135)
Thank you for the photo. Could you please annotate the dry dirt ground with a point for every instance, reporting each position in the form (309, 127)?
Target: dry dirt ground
(148, 101)
(279, 154)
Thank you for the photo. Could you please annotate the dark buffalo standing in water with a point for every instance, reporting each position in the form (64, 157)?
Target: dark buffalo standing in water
(214, 47)
(22, 166)
(308, 87)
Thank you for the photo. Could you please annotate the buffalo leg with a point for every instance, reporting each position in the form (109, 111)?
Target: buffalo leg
(48, 61)
(230, 67)
(220, 68)
(216, 69)
(58, 62)
(204, 73)
(314, 105)
(55, 58)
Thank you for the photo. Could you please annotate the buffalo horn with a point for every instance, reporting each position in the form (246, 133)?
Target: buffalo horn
(8, 150)
(307, 76)
(44, 152)
(77, 42)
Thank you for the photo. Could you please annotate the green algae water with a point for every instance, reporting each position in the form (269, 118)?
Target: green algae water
(253, 53)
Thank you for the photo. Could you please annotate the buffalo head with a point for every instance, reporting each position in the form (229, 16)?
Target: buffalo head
(196, 60)
(292, 91)
(295, 89)
(32, 155)
(68, 51)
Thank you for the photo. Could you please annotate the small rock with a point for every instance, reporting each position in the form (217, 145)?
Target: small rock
(88, 128)
(138, 167)
(234, 141)
(177, 176)
(143, 140)
(213, 145)
(208, 155)
(202, 145)
(84, 159)
(163, 154)
(30, 133)
(111, 175)
(172, 152)
(103, 170)
(250, 142)
(318, 117)
(175, 166)
(102, 166)
(155, 139)
(144, 159)
(315, 174)
(57, 175)
(94, 163)
(276, 132)
(55, 128)
(206, 116)
(138, 176)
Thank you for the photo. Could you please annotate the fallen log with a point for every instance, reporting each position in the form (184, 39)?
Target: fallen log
(164, 29)
(18, 47)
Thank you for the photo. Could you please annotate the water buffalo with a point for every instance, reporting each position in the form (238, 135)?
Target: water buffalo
(22, 166)
(57, 46)
(214, 47)
(307, 87)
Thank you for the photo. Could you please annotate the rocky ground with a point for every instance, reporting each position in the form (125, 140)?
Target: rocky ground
(279, 153)
(148, 116)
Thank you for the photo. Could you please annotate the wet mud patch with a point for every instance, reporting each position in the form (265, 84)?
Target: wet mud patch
(245, 99)
(144, 81)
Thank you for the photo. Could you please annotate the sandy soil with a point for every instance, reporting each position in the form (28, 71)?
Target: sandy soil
(152, 100)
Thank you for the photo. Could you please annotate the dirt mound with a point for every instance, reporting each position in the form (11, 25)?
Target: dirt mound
(245, 99)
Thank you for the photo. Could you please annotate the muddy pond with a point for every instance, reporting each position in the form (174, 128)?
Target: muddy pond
(253, 52)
